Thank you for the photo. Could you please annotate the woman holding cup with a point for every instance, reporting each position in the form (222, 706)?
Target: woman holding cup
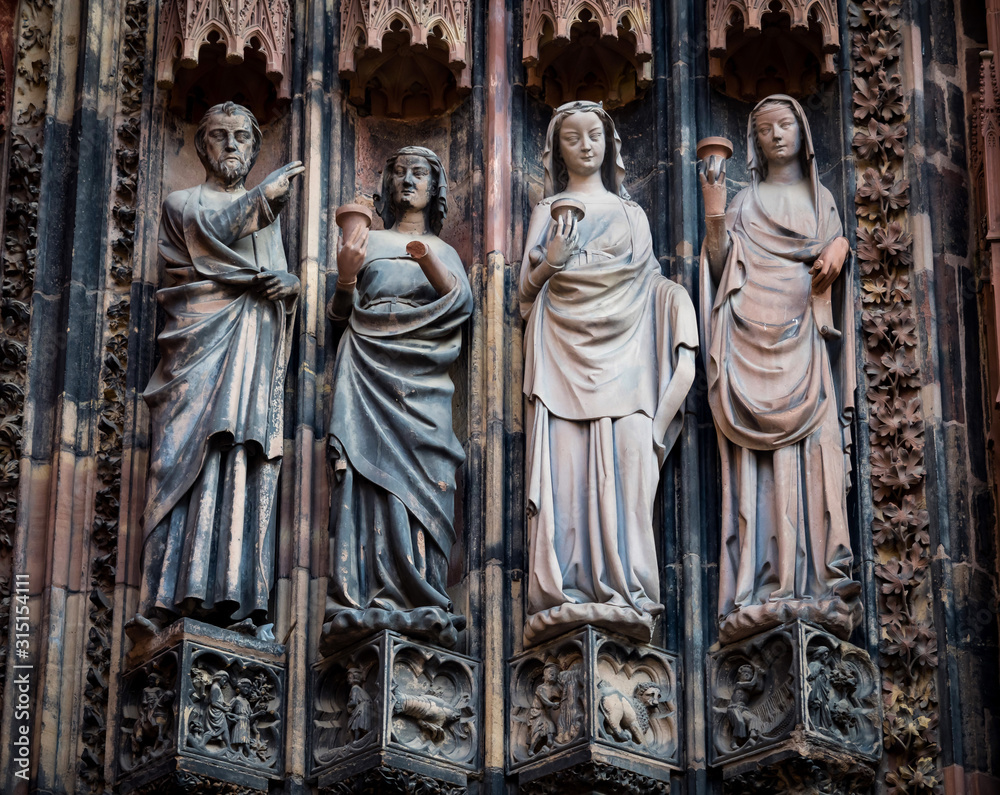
(609, 357)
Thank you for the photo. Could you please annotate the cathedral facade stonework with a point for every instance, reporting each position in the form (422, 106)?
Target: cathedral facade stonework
(494, 396)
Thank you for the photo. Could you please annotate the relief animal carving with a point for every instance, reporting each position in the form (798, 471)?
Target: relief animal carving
(432, 713)
(627, 718)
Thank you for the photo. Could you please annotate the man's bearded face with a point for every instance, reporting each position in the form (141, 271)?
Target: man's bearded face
(229, 148)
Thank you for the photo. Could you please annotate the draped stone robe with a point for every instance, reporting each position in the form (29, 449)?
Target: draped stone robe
(783, 398)
(216, 405)
(394, 453)
(603, 338)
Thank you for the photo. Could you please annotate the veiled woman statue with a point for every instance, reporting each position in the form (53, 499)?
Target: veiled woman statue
(609, 357)
(393, 452)
(780, 382)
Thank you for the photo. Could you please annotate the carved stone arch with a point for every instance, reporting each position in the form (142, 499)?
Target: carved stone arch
(414, 61)
(216, 50)
(760, 47)
(580, 49)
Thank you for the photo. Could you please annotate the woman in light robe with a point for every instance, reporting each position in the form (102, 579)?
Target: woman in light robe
(609, 357)
(781, 382)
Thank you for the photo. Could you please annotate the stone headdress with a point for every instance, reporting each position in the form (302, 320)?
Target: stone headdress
(612, 169)
(757, 163)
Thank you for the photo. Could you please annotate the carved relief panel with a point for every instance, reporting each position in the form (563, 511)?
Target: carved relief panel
(403, 59)
(756, 49)
(598, 50)
(200, 704)
(392, 703)
(793, 682)
(202, 40)
(596, 694)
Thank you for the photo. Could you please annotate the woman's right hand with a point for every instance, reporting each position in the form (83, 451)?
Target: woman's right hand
(351, 255)
(712, 175)
(564, 242)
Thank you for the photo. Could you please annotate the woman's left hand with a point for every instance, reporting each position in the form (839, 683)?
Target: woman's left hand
(828, 265)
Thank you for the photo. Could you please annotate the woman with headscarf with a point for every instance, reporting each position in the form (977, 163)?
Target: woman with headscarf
(781, 382)
(609, 357)
(393, 452)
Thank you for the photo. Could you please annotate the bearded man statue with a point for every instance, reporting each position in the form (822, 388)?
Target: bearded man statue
(216, 397)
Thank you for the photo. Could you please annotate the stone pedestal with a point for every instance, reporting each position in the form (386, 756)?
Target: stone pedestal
(201, 712)
(794, 709)
(593, 711)
(391, 714)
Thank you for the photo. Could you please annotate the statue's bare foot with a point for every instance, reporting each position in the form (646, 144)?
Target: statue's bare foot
(140, 628)
(244, 627)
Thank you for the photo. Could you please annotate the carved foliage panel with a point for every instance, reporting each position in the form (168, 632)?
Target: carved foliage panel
(111, 419)
(19, 251)
(908, 647)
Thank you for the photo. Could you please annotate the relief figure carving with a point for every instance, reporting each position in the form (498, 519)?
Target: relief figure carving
(569, 724)
(554, 717)
(778, 336)
(609, 349)
(545, 706)
(402, 297)
(754, 695)
(360, 709)
(153, 729)
(228, 713)
(216, 397)
(744, 724)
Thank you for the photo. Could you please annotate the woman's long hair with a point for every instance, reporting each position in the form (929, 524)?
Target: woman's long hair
(437, 208)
